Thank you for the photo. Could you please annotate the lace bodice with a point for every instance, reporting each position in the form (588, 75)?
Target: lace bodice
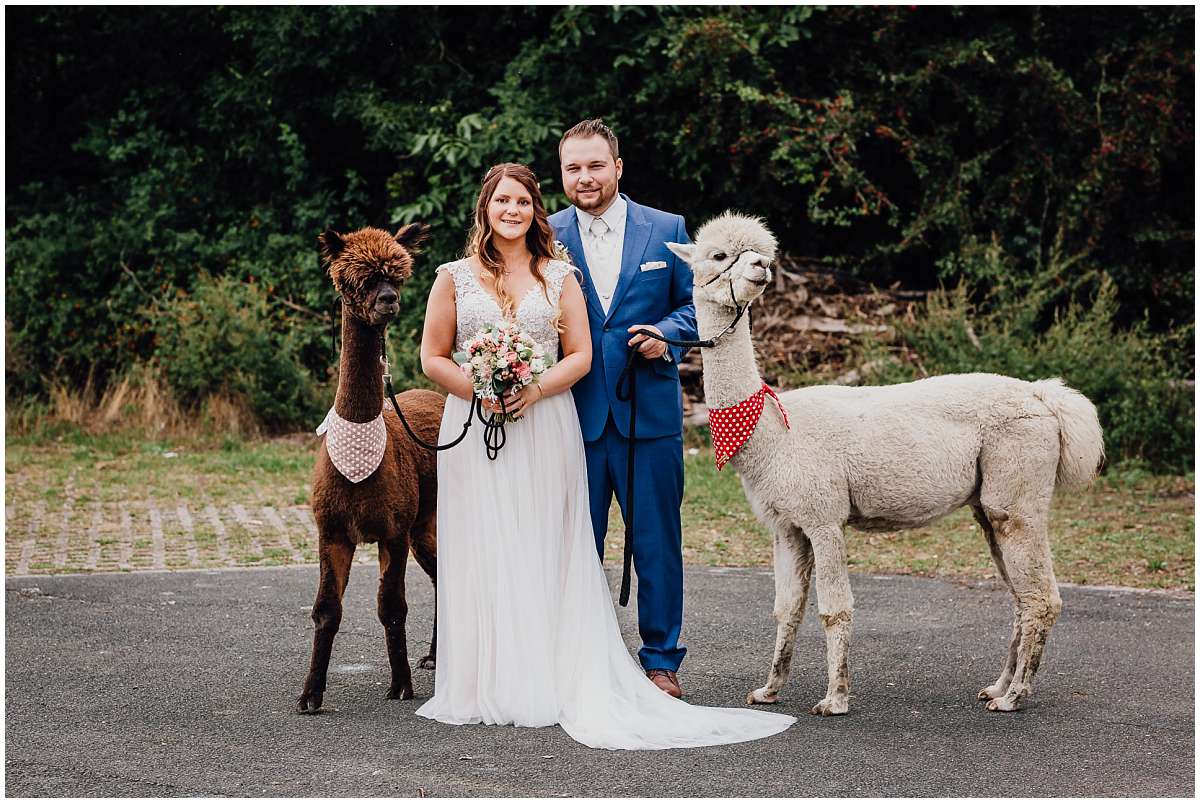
(476, 308)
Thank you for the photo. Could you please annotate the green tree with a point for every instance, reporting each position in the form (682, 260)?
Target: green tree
(149, 147)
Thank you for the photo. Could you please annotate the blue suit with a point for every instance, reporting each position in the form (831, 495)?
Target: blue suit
(663, 298)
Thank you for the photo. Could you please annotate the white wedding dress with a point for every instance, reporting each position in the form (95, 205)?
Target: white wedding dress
(527, 634)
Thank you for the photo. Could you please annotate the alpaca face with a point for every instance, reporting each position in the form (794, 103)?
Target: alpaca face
(730, 260)
(368, 267)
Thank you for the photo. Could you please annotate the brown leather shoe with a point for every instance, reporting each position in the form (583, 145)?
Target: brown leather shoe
(665, 680)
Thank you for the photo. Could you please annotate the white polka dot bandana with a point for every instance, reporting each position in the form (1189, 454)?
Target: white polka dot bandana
(732, 426)
(355, 449)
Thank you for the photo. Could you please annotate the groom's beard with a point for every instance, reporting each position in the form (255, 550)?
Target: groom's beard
(594, 202)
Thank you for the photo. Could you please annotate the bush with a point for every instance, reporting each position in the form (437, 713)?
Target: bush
(1146, 405)
(218, 342)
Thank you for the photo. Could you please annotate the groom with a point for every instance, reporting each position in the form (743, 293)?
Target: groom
(631, 281)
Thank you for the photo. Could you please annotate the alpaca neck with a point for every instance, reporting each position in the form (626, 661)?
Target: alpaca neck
(360, 374)
(730, 372)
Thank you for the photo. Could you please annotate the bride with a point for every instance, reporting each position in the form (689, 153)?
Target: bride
(527, 631)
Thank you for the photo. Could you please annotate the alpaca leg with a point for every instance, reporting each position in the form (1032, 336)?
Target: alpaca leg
(1019, 463)
(793, 572)
(335, 558)
(998, 688)
(393, 611)
(835, 604)
(1027, 556)
(424, 547)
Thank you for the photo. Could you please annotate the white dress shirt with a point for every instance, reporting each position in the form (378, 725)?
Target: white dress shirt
(603, 251)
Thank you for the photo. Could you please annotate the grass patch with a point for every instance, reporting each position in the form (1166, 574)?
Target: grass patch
(110, 468)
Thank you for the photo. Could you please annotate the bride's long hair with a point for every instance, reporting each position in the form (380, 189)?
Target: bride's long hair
(539, 239)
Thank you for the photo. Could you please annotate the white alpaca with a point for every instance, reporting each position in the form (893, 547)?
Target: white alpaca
(886, 458)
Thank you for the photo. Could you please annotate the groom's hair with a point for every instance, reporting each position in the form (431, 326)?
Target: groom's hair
(591, 128)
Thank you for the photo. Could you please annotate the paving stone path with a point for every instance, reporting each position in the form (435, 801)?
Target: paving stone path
(141, 534)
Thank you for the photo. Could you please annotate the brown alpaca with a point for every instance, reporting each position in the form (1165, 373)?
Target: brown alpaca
(394, 506)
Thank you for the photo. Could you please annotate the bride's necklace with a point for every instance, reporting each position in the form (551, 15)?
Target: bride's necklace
(507, 271)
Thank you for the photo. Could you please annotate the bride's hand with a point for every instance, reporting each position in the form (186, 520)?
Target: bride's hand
(517, 403)
(493, 406)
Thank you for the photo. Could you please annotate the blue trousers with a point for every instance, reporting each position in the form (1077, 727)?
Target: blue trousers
(657, 540)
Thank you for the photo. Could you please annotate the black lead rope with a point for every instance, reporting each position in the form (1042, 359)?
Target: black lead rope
(494, 437)
(629, 377)
(629, 373)
(433, 447)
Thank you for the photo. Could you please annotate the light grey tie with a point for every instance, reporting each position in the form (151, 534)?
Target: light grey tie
(598, 229)
(601, 247)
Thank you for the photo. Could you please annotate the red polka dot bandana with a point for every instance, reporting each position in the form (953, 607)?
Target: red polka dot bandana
(732, 426)
(355, 449)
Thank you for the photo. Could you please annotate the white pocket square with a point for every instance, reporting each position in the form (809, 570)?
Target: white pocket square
(653, 265)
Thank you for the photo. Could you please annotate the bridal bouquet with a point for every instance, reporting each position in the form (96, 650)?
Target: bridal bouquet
(499, 358)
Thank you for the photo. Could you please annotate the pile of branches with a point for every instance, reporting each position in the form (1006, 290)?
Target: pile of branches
(810, 328)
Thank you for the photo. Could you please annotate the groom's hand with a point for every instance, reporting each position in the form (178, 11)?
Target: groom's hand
(648, 347)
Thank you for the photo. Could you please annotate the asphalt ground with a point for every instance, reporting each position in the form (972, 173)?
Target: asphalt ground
(184, 684)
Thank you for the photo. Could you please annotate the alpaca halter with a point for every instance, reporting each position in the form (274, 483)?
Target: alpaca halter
(732, 426)
(355, 449)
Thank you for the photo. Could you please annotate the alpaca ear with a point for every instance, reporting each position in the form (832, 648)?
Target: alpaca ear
(412, 235)
(331, 244)
(683, 251)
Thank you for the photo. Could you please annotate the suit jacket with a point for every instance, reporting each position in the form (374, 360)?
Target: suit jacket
(661, 297)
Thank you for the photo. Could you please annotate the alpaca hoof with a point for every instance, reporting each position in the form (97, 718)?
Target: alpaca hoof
(761, 697)
(1003, 704)
(990, 693)
(309, 704)
(831, 708)
(402, 693)
(428, 662)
